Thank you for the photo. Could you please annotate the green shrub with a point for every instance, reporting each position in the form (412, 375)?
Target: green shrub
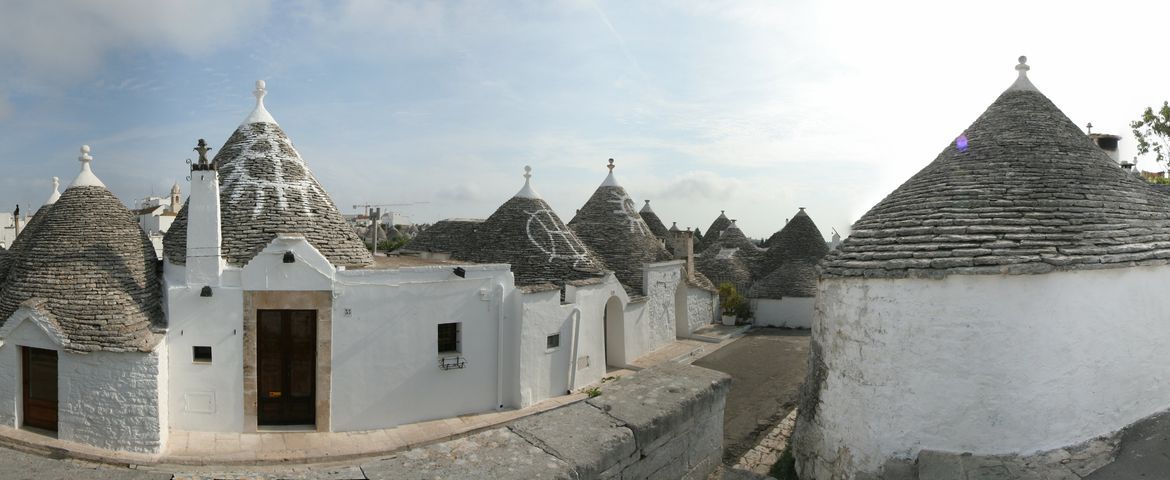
(730, 300)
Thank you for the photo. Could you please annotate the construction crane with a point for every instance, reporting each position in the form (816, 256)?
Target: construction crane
(374, 211)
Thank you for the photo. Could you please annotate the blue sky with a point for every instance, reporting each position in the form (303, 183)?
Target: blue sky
(753, 107)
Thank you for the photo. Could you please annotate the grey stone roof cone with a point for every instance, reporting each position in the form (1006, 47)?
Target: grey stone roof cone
(100, 290)
(526, 233)
(609, 224)
(1023, 190)
(653, 221)
(266, 188)
(799, 239)
(717, 226)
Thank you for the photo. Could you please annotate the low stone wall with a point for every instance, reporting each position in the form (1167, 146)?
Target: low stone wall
(664, 422)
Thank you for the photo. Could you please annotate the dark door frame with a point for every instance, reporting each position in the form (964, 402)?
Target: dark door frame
(38, 412)
(281, 408)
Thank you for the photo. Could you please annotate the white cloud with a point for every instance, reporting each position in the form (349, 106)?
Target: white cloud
(71, 37)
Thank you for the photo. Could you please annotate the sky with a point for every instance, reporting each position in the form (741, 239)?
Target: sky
(752, 107)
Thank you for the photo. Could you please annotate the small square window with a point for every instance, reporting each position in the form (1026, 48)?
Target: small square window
(553, 341)
(201, 354)
(449, 337)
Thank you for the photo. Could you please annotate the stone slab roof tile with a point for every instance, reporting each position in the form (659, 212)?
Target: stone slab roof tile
(453, 236)
(799, 239)
(102, 287)
(527, 234)
(610, 225)
(266, 189)
(1022, 191)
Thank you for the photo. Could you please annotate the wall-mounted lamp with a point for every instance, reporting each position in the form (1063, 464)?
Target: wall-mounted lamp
(206, 291)
(289, 257)
(460, 272)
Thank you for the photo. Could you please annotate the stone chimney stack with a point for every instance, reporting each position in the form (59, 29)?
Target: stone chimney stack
(205, 261)
(1108, 143)
(682, 243)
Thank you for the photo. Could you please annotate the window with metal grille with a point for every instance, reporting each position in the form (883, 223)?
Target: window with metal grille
(449, 337)
(553, 341)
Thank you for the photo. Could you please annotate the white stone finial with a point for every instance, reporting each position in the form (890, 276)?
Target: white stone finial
(259, 114)
(86, 178)
(56, 195)
(609, 180)
(1022, 82)
(527, 191)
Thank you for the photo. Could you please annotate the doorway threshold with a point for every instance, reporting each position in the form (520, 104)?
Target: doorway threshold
(287, 428)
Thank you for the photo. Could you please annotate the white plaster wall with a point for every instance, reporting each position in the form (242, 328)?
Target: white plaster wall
(650, 324)
(702, 306)
(790, 312)
(986, 364)
(545, 372)
(110, 400)
(385, 357)
(202, 396)
(310, 270)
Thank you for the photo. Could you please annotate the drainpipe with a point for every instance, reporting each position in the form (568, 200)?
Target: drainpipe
(499, 288)
(573, 351)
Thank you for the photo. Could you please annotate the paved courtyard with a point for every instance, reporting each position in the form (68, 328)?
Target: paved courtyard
(767, 366)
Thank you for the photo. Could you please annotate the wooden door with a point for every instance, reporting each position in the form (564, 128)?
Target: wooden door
(39, 387)
(286, 364)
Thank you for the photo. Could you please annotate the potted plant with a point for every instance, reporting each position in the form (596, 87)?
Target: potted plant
(730, 302)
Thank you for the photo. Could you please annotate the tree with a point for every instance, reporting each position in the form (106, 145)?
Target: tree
(1153, 133)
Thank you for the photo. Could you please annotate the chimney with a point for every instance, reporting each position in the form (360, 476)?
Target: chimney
(1108, 143)
(17, 225)
(204, 259)
(683, 245)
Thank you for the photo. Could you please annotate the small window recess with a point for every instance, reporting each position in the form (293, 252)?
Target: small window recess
(450, 338)
(201, 354)
(553, 341)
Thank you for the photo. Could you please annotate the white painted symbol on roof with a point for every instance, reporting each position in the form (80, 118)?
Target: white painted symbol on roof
(546, 236)
(627, 210)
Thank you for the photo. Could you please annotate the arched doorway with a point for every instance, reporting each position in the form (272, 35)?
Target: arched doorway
(682, 323)
(615, 333)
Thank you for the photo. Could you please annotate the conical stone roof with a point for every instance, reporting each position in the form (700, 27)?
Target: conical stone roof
(1022, 190)
(101, 288)
(717, 226)
(265, 189)
(527, 234)
(610, 225)
(454, 236)
(20, 243)
(798, 239)
(795, 278)
(656, 226)
(724, 266)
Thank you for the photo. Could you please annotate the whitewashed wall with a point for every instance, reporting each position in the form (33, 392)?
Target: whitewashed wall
(202, 396)
(702, 307)
(111, 400)
(790, 312)
(105, 399)
(546, 372)
(385, 345)
(580, 360)
(984, 364)
(650, 324)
